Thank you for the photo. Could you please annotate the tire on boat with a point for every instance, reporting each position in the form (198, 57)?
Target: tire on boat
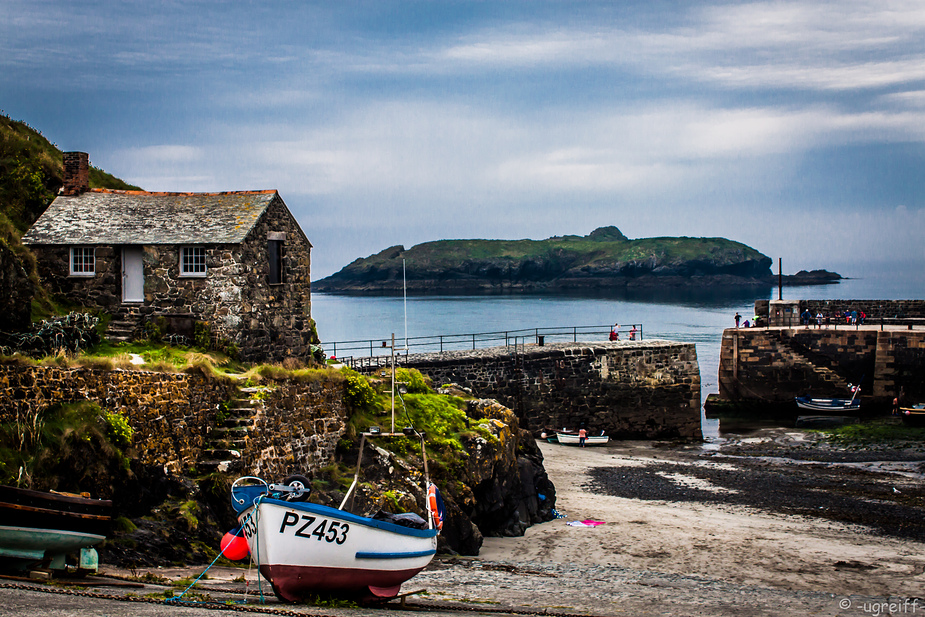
(301, 485)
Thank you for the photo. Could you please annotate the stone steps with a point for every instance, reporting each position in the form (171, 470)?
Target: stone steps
(823, 372)
(120, 331)
(227, 441)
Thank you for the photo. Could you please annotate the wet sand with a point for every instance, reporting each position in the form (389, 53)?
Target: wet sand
(775, 522)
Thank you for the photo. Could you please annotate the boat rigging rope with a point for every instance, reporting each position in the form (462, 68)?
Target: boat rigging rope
(253, 513)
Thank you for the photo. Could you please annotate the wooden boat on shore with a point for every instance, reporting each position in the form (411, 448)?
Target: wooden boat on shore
(39, 528)
(913, 416)
(304, 549)
(570, 438)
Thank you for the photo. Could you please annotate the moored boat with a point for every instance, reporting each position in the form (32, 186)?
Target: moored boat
(42, 528)
(914, 415)
(827, 404)
(305, 548)
(572, 439)
(831, 404)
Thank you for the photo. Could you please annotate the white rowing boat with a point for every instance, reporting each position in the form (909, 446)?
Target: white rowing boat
(572, 439)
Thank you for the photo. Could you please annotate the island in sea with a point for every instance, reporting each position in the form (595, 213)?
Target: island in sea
(603, 260)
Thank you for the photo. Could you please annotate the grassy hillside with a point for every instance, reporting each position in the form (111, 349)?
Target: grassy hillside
(31, 173)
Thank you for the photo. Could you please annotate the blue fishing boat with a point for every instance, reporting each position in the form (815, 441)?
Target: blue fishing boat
(833, 405)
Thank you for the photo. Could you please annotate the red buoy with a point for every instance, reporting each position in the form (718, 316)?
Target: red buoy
(234, 545)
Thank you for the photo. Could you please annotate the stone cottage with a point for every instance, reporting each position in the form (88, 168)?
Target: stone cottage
(238, 261)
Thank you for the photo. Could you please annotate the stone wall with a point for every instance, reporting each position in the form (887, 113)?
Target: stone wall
(295, 428)
(875, 309)
(640, 390)
(266, 322)
(773, 366)
(170, 413)
(272, 321)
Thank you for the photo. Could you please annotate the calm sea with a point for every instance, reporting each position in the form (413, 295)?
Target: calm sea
(695, 316)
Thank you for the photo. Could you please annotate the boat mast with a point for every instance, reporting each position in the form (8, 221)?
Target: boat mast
(392, 347)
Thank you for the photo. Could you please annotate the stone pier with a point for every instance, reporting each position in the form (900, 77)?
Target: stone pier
(629, 389)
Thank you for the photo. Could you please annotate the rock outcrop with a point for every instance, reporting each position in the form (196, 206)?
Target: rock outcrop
(16, 291)
(498, 485)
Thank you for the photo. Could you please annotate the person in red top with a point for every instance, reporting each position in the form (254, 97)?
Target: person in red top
(582, 435)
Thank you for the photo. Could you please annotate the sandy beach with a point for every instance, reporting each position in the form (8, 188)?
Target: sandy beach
(731, 542)
(702, 549)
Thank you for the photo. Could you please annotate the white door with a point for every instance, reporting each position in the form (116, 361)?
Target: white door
(133, 275)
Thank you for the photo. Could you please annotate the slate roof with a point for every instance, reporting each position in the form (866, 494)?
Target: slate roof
(104, 216)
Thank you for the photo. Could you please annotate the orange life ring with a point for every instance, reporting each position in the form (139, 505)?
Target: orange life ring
(435, 503)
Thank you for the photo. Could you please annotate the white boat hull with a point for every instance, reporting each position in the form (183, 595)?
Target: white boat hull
(591, 440)
(306, 548)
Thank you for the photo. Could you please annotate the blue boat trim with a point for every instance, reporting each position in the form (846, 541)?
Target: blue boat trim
(363, 555)
(325, 511)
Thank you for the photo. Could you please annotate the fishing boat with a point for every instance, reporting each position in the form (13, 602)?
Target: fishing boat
(304, 549)
(914, 415)
(831, 404)
(39, 528)
(570, 438)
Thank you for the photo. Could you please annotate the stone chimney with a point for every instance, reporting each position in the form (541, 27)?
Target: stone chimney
(76, 173)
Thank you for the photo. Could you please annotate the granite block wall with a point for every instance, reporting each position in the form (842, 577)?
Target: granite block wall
(641, 390)
(773, 366)
(296, 430)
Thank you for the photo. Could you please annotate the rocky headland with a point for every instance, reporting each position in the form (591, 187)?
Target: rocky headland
(603, 260)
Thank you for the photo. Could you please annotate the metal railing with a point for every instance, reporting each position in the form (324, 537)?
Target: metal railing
(838, 321)
(368, 348)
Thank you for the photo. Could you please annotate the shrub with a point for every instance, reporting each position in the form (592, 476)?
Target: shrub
(202, 335)
(118, 430)
(71, 333)
(357, 391)
(413, 380)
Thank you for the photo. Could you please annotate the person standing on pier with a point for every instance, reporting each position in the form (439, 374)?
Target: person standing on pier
(738, 317)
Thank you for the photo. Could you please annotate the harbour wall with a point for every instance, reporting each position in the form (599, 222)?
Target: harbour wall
(875, 309)
(185, 422)
(630, 389)
(774, 365)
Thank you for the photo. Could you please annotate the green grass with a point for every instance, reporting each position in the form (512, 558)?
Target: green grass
(36, 445)
(880, 431)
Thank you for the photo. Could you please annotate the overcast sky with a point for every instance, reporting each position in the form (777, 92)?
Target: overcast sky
(795, 127)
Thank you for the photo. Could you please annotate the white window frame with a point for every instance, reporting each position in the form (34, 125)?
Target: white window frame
(83, 261)
(194, 261)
